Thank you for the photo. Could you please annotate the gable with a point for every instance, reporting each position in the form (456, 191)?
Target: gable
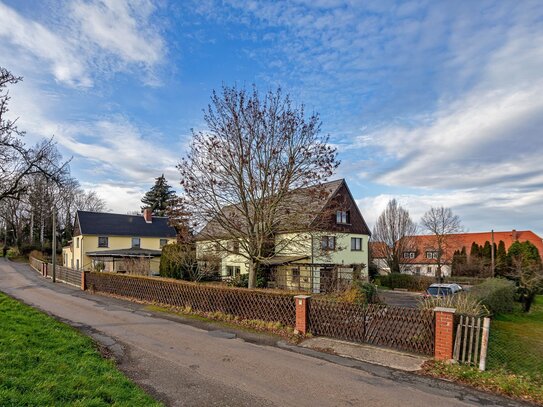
(343, 200)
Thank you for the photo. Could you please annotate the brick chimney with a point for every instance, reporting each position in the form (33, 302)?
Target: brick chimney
(514, 235)
(147, 215)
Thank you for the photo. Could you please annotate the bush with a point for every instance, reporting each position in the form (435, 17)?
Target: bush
(497, 294)
(241, 280)
(177, 261)
(405, 281)
(360, 292)
(27, 249)
(37, 255)
(464, 302)
(13, 252)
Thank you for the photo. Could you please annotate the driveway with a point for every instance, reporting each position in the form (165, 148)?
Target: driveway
(400, 298)
(186, 365)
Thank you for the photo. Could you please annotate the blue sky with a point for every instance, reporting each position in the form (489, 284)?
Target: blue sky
(434, 103)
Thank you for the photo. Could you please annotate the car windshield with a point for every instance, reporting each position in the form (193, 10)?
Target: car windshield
(439, 291)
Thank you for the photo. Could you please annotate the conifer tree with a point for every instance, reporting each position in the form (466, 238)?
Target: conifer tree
(158, 197)
(501, 259)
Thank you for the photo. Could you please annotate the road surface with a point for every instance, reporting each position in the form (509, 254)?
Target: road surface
(185, 365)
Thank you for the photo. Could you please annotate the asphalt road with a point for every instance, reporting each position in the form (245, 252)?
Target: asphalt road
(400, 298)
(186, 365)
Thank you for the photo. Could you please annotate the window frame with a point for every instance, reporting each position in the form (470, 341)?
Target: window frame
(330, 244)
(107, 241)
(343, 217)
(354, 240)
(138, 246)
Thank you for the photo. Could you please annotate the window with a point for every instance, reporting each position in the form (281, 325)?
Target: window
(163, 242)
(102, 241)
(417, 271)
(408, 255)
(429, 270)
(328, 243)
(296, 275)
(342, 217)
(136, 243)
(77, 264)
(356, 244)
(77, 243)
(232, 271)
(431, 255)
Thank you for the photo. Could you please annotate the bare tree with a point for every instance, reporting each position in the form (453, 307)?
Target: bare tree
(239, 175)
(442, 225)
(17, 161)
(393, 234)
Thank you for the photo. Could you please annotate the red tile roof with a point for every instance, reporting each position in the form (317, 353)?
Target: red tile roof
(457, 241)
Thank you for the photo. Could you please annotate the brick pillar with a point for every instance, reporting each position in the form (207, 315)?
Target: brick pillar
(83, 277)
(444, 340)
(302, 302)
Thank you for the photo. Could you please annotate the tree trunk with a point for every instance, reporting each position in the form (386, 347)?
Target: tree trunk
(252, 274)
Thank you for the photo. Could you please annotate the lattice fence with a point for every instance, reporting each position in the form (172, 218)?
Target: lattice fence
(62, 274)
(406, 329)
(247, 304)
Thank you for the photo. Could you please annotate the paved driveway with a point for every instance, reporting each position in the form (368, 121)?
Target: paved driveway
(184, 365)
(400, 298)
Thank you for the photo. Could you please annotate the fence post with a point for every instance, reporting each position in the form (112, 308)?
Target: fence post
(484, 344)
(302, 313)
(83, 277)
(444, 339)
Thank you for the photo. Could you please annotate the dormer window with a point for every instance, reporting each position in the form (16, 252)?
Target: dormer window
(408, 255)
(342, 217)
(431, 254)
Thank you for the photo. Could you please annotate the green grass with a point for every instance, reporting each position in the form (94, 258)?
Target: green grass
(47, 363)
(514, 360)
(516, 342)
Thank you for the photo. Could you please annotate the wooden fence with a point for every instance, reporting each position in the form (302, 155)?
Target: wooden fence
(471, 340)
(62, 274)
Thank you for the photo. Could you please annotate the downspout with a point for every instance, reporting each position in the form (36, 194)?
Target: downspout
(81, 253)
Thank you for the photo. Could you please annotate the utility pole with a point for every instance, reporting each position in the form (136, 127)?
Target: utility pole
(492, 254)
(54, 248)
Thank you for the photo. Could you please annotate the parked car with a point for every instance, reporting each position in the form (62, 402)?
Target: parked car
(442, 290)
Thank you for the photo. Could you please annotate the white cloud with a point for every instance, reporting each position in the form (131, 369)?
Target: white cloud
(121, 27)
(479, 210)
(119, 198)
(88, 38)
(44, 44)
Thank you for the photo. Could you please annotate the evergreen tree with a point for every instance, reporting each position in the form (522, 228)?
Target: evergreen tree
(487, 250)
(475, 251)
(158, 197)
(501, 259)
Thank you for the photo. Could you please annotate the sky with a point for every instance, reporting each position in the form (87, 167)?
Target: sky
(429, 102)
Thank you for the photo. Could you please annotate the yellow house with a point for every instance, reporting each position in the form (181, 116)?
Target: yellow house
(118, 243)
(308, 259)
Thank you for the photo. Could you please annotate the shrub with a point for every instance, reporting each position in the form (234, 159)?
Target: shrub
(465, 303)
(27, 249)
(37, 255)
(241, 280)
(13, 252)
(497, 294)
(406, 281)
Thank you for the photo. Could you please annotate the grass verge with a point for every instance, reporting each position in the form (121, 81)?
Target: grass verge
(44, 362)
(514, 360)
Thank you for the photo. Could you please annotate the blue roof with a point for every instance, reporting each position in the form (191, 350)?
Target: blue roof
(115, 224)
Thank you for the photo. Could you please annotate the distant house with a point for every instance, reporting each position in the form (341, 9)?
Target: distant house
(422, 259)
(114, 243)
(314, 260)
(377, 250)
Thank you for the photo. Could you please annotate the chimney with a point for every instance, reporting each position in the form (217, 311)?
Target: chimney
(514, 235)
(147, 215)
